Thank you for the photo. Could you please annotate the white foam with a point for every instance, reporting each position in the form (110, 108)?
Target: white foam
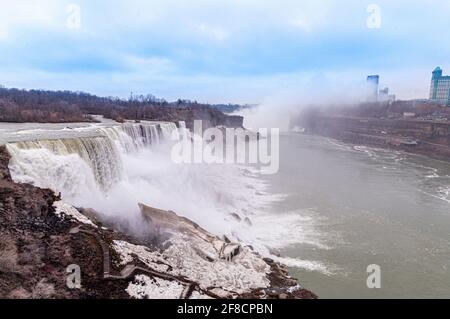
(437, 196)
(305, 264)
(206, 194)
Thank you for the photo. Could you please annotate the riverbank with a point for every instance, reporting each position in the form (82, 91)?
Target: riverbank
(41, 236)
(428, 138)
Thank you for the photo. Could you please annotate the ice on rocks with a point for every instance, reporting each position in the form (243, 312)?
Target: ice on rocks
(63, 208)
(144, 287)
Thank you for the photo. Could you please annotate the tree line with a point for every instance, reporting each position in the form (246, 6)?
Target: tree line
(17, 105)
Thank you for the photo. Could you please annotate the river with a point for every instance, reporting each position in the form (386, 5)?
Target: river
(366, 206)
(331, 211)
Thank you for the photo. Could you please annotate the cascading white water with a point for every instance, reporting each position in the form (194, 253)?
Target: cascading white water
(120, 166)
(167, 129)
(134, 136)
(99, 154)
(93, 163)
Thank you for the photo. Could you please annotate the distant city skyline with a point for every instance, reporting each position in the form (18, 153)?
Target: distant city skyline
(440, 87)
(222, 51)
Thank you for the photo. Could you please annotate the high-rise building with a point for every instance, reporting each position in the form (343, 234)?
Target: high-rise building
(384, 96)
(440, 87)
(372, 87)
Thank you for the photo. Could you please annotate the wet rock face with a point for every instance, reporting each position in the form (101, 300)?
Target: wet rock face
(40, 236)
(31, 239)
(18, 200)
(35, 244)
(4, 161)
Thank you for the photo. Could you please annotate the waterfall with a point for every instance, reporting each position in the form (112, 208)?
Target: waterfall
(111, 168)
(167, 129)
(99, 153)
(183, 131)
(131, 137)
(95, 162)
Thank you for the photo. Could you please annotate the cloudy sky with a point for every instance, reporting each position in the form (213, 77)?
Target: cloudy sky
(222, 50)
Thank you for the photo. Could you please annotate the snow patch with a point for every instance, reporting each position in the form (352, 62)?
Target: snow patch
(152, 259)
(65, 209)
(144, 287)
(199, 261)
(196, 295)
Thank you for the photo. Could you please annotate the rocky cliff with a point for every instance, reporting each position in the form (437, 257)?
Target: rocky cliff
(427, 138)
(44, 242)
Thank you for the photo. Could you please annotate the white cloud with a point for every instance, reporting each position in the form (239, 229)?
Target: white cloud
(28, 12)
(3, 32)
(213, 32)
(152, 64)
(160, 43)
(301, 24)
